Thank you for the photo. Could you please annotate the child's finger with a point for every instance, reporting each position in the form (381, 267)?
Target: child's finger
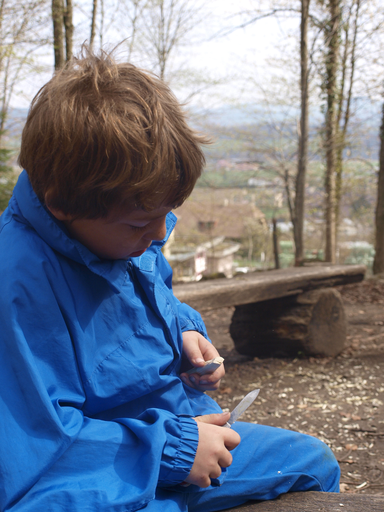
(214, 378)
(190, 380)
(193, 381)
(206, 382)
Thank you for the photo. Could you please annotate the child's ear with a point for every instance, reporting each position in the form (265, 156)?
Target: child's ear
(58, 214)
(63, 217)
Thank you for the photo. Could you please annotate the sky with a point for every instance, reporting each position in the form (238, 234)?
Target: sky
(256, 41)
(243, 56)
(229, 59)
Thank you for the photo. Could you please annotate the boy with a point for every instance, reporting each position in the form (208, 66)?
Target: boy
(96, 411)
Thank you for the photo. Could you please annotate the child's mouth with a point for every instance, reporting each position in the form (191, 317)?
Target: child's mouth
(138, 253)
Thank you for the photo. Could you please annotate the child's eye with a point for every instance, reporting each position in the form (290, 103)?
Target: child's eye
(136, 228)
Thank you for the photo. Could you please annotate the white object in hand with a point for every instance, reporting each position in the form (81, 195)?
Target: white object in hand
(209, 366)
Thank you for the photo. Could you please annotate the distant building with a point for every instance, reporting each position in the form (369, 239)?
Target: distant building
(211, 213)
(207, 236)
(187, 266)
(220, 257)
(191, 263)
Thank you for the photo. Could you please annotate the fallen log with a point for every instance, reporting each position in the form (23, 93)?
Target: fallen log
(313, 323)
(281, 311)
(260, 286)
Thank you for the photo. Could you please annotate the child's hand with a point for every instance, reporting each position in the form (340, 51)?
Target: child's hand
(197, 350)
(213, 450)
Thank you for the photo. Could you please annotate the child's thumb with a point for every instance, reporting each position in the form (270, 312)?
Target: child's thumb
(219, 419)
(194, 356)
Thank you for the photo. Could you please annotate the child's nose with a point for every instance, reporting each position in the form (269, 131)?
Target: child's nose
(158, 230)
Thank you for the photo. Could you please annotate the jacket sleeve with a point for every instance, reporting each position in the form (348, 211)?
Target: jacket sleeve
(52, 456)
(190, 319)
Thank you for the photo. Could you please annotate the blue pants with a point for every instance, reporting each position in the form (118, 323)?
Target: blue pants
(269, 461)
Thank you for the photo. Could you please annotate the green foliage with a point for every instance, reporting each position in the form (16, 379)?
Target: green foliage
(7, 179)
(360, 253)
(287, 253)
(224, 179)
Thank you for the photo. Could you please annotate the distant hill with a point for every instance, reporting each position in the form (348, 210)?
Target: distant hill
(362, 109)
(364, 125)
(228, 124)
(15, 122)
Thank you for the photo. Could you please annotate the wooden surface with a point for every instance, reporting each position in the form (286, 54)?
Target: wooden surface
(260, 286)
(313, 322)
(316, 502)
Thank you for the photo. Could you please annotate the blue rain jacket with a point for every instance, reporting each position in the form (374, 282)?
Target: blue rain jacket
(93, 414)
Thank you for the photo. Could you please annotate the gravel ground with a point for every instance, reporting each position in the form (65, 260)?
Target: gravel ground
(339, 400)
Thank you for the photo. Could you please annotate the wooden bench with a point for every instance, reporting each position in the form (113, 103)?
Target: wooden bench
(316, 502)
(280, 311)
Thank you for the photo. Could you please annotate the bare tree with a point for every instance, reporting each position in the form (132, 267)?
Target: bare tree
(296, 201)
(165, 26)
(332, 42)
(346, 32)
(340, 25)
(68, 26)
(345, 96)
(23, 30)
(62, 18)
(58, 32)
(378, 264)
(298, 216)
(93, 24)
(133, 12)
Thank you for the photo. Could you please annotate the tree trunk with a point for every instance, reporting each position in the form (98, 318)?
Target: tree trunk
(102, 18)
(68, 25)
(163, 37)
(93, 24)
(275, 239)
(58, 32)
(331, 65)
(343, 116)
(298, 224)
(378, 264)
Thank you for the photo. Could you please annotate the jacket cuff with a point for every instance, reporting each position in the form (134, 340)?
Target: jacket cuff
(179, 451)
(187, 324)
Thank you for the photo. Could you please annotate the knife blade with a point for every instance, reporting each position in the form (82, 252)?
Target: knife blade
(242, 407)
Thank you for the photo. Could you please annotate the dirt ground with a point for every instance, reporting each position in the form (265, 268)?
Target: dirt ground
(339, 400)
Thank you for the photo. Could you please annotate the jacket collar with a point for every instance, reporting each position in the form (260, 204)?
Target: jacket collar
(55, 234)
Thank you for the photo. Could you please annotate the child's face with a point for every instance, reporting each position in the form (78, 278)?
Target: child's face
(121, 234)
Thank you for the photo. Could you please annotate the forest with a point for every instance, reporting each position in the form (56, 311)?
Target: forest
(290, 91)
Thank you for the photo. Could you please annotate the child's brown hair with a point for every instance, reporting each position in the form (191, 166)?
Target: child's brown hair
(102, 134)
